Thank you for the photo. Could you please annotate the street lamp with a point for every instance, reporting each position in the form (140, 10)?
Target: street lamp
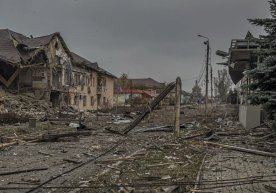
(207, 64)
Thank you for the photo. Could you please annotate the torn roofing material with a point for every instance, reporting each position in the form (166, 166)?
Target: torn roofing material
(8, 51)
(13, 48)
(17, 49)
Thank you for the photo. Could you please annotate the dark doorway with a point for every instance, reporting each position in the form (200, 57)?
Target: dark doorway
(54, 98)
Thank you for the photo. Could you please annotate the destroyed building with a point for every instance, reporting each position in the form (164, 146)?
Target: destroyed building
(46, 67)
(245, 54)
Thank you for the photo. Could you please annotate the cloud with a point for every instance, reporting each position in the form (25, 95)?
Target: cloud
(145, 38)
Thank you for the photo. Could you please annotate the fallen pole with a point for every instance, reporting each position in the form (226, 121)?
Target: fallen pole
(150, 107)
(22, 171)
(252, 151)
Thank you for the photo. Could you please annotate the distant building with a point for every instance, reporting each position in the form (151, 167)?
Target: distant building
(145, 83)
(133, 96)
(45, 66)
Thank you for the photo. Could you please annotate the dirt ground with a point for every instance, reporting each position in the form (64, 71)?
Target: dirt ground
(138, 162)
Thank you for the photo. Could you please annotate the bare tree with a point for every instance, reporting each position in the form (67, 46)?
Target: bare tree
(222, 84)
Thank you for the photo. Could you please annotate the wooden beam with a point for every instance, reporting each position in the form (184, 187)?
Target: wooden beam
(7, 83)
(4, 145)
(3, 80)
(252, 151)
(15, 74)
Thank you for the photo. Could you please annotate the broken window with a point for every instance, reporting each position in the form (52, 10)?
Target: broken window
(76, 100)
(104, 82)
(56, 45)
(84, 100)
(92, 100)
(77, 79)
(82, 82)
(58, 60)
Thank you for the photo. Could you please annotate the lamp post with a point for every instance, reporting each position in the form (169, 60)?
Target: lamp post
(207, 70)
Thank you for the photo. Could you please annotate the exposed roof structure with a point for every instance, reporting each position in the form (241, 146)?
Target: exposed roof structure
(242, 55)
(147, 82)
(78, 60)
(8, 51)
(17, 49)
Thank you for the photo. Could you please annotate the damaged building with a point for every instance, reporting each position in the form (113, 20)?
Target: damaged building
(245, 54)
(46, 67)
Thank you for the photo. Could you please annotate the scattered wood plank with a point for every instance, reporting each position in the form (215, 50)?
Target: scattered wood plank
(113, 131)
(197, 135)
(45, 153)
(231, 133)
(198, 178)
(87, 154)
(270, 189)
(55, 137)
(120, 159)
(72, 161)
(165, 128)
(252, 151)
(194, 136)
(22, 171)
(267, 136)
(164, 164)
(170, 189)
(4, 145)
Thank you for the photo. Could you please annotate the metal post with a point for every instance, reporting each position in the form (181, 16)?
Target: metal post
(177, 107)
(207, 76)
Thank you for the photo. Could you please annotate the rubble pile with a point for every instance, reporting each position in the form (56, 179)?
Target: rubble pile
(24, 106)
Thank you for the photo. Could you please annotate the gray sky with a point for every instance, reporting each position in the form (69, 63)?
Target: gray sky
(143, 38)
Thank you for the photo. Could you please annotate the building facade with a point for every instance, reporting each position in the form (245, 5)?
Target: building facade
(45, 66)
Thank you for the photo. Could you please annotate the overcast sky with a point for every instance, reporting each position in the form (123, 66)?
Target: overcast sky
(143, 38)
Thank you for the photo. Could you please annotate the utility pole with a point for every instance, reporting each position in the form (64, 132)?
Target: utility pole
(207, 76)
(178, 93)
(207, 71)
(211, 84)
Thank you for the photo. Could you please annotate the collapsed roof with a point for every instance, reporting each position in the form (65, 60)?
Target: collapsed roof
(18, 50)
(242, 55)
